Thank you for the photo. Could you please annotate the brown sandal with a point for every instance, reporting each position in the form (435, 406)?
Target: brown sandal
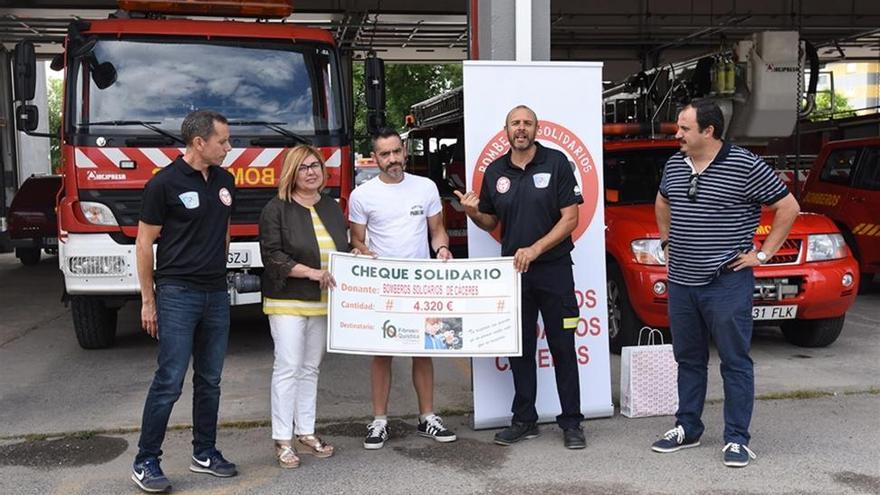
(312, 445)
(286, 456)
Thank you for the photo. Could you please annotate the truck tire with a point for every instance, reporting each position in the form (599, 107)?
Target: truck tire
(623, 324)
(93, 322)
(813, 333)
(28, 256)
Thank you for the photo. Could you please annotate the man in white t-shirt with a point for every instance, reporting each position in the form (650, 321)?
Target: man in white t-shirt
(398, 210)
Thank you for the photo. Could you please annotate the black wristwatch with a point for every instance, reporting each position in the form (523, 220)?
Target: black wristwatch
(663, 244)
(437, 251)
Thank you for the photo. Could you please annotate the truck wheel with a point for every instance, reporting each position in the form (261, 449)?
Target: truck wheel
(623, 324)
(813, 333)
(28, 256)
(94, 323)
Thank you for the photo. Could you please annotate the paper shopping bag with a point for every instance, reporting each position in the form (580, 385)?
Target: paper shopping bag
(648, 378)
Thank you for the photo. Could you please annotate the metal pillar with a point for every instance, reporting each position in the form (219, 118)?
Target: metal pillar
(499, 36)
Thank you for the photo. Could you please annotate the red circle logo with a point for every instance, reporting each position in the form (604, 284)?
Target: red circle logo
(558, 137)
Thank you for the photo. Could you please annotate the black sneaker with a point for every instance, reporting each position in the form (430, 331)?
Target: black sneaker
(148, 476)
(674, 440)
(737, 455)
(516, 432)
(573, 438)
(377, 433)
(433, 427)
(213, 463)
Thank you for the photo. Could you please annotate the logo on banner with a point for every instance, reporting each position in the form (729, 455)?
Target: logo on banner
(558, 137)
(502, 185)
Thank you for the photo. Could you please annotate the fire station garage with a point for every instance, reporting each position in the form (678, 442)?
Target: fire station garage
(92, 95)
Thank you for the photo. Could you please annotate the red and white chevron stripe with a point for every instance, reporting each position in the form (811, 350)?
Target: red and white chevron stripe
(94, 157)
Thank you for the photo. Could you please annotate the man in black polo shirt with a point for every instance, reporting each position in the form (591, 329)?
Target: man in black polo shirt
(532, 191)
(189, 203)
(708, 208)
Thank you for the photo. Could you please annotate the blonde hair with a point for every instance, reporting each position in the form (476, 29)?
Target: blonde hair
(295, 157)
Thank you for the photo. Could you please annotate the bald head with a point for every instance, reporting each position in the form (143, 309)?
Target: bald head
(520, 107)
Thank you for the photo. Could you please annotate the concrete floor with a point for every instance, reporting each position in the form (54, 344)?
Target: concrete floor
(823, 443)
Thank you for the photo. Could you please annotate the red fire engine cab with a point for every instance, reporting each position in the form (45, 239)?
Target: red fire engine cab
(129, 82)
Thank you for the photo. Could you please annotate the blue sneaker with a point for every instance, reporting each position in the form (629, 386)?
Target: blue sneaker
(213, 463)
(737, 455)
(674, 440)
(148, 476)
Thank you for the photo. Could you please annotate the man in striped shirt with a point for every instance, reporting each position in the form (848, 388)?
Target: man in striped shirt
(707, 209)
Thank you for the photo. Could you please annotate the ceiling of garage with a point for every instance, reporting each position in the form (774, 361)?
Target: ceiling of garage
(622, 32)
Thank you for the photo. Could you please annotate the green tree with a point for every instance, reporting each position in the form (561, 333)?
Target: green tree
(54, 108)
(405, 84)
(842, 108)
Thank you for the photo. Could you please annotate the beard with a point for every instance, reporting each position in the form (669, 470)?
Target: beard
(394, 170)
(529, 141)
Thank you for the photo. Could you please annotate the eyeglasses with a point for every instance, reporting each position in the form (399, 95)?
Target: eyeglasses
(304, 168)
(692, 187)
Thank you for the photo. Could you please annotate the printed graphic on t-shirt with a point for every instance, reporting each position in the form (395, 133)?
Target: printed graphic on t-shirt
(502, 185)
(416, 211)
(189, 199)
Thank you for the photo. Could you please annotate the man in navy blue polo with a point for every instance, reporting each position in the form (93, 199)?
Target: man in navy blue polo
(189, 202)
(707, 209)
(533, 193)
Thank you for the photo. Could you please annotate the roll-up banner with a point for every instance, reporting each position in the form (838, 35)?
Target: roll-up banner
(567, 98)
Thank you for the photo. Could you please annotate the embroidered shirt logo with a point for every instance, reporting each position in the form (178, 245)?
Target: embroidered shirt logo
(541, 180)
(416, 211)
(225, 197)
(189, 199)
(502, 185)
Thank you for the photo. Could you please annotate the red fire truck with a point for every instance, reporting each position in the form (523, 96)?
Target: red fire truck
(844, 184)
(130, 81)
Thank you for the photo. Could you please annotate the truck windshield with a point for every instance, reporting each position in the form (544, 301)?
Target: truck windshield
(633, 177)
(160, 81)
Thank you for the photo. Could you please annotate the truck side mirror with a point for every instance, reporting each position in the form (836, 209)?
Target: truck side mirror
(104, 75)
(27, 118)
(374, 82)
(25, 70)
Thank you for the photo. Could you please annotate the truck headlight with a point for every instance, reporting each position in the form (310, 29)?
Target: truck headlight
(648, 252)
(822, 247)
(97, 213)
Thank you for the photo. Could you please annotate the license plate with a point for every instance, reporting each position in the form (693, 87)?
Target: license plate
(774, 312)
(238, 257)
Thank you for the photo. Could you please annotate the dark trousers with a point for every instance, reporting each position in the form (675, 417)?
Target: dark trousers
(548, 287)
(191, 323)
(721, 310)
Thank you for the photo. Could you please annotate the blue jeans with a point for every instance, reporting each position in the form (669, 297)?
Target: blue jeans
(721, 310)
(191, 323)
